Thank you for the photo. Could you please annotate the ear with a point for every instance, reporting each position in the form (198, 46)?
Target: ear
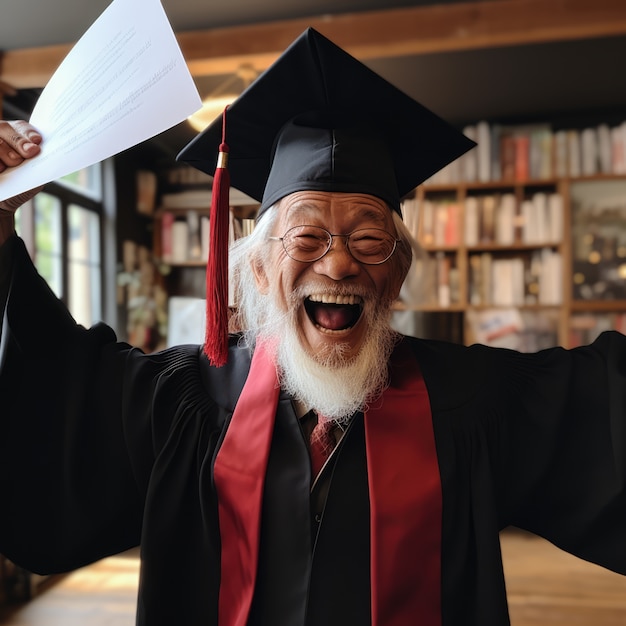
(260, 276)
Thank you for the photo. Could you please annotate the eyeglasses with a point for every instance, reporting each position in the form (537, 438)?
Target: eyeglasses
(371, 246)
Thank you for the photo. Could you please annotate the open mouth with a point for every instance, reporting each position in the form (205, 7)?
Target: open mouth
(333, 313)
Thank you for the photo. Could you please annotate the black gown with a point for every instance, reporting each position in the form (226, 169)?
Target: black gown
(103, 448)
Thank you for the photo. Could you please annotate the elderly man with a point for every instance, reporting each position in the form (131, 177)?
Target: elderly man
(429, 449)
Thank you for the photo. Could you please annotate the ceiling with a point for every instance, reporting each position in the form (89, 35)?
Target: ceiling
(63, 21)
(566, 69)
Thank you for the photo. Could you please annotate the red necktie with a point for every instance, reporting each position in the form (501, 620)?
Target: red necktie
(322, 444)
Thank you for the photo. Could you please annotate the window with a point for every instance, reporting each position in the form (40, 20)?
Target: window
(84, 267)
(62, 228)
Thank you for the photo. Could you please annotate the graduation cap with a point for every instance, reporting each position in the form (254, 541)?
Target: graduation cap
(317, 119)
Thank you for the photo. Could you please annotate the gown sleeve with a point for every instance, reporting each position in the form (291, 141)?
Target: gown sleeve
(82, 420)
(562, 446)
(536, 441)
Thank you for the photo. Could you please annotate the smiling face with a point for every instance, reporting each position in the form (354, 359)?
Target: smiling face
(332, 298)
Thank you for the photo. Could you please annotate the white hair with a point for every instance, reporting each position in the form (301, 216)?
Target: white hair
(254, 249)
(331, 382)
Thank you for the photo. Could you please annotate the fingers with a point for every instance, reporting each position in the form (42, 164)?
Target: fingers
(18, 141)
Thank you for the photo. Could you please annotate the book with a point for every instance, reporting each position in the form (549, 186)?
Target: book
(555, 217)
(146, 188)
(574, 163)
(541, 153)
(589, 152)
(194, 242)
(505, 220)
(443, 279)
(411, 216)
(180, 241)
(483, 137)
(522, 157)
(205, 235)
(469, 161)
(618, 149)
(167, 222)
(507, 156)
(561, 161)
(487, 218)
(472, 221)
(604, 149)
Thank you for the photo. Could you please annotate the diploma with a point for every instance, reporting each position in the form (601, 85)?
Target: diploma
(123, 82)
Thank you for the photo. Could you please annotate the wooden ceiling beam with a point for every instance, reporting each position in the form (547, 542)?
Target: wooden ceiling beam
(369, 35)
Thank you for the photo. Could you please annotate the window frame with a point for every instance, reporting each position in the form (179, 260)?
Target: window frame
(68, 195)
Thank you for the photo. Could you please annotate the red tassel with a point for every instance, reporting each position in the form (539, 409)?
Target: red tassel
(216, 337)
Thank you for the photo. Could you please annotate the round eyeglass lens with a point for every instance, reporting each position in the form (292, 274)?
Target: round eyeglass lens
(371, 245)
(306, 243)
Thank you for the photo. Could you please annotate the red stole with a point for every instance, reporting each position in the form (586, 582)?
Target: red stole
(404, 485)
(405, 500)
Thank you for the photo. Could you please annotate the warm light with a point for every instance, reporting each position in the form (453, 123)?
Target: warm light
(224, 94)
(211, 109)
(594, 257)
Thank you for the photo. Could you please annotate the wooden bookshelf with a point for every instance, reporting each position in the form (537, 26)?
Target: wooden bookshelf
(532, 267)
(559, 315)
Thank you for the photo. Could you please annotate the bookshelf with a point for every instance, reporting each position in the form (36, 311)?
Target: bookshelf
(525, 239)
(180, 240)
(500, 265)
(504, 231)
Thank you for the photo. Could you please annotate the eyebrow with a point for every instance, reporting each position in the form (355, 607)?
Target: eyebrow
(305, 208)
(369, 214)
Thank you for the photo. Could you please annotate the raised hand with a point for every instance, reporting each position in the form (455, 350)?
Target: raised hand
(18, 141)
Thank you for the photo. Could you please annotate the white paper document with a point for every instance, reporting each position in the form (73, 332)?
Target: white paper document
(123, 82)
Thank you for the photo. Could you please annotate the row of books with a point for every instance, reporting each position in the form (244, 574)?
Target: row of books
(489, 219)
(447, 281)
(535, 279)
(185, 235)
(433, 222)
(520, 153)
(532, 279)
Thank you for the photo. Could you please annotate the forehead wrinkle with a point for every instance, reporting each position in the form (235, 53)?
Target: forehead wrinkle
(357, 211)
(303, 208)
(368, 214)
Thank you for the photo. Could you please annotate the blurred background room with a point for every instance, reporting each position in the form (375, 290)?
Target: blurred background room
(523, 238)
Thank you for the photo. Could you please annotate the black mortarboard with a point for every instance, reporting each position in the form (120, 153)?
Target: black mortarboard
(317, 119)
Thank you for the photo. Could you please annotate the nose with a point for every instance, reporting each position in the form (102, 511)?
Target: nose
(338, 263)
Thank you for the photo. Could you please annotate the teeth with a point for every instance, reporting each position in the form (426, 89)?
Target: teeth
(326, 298)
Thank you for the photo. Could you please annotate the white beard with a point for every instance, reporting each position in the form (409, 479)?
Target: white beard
(334, 386)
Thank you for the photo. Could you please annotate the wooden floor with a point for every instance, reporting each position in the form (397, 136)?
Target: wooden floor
(546, 588)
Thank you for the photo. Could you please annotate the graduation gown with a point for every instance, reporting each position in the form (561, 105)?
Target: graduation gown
(103, 448)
